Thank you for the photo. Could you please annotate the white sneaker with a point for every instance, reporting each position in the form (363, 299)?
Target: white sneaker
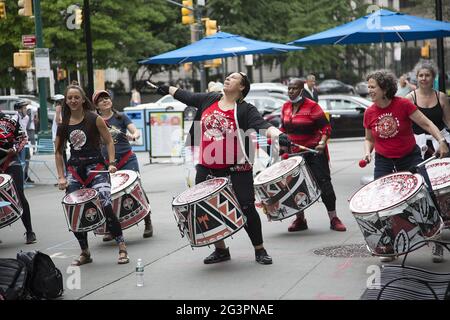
(387, 258)
(437, 253)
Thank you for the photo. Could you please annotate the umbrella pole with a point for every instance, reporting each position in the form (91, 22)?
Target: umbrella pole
(383, 46)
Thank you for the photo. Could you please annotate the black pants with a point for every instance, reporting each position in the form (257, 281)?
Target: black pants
(16, 172)
(385, 166)
(318, 163)
(242, 183)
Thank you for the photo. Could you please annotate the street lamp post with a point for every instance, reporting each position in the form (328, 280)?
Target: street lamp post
(440, 49)
(88, 39)
(42, 85)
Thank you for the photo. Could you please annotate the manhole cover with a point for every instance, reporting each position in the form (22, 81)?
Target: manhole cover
(358, 250)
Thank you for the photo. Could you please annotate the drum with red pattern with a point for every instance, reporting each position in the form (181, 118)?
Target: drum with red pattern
(394, 212)
(439, 172)
(83, 210)
(208, 212)
(285, 188)
(8, 193)
(129, 201)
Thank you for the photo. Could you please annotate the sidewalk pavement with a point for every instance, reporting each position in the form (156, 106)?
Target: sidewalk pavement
(316, 264)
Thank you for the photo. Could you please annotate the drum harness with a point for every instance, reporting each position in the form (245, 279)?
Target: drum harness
(77, 168)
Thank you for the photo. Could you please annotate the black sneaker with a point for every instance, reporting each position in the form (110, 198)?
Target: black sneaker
(262, 257)
(28, 180)
(31, 237)
(218, 255)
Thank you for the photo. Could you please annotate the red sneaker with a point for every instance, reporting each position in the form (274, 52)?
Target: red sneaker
(298, 224)
(337, 225)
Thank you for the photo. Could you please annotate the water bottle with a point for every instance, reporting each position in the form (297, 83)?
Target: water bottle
(139, 273)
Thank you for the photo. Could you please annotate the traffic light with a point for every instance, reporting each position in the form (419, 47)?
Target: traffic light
(78, 17)
(425, 50)
(25, 8)
(187, 15)
(22, 60)
(2, 10)
(211, 27)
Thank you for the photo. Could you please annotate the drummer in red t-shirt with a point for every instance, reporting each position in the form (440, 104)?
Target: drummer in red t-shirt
(388, 124)
(306, 124)
(217, 129)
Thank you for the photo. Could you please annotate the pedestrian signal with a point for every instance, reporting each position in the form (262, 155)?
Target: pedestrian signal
(211, 27)
(2, 10)
(22, 60)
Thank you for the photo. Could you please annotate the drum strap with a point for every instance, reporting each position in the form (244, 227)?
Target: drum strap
(91, 176)
(123, 160)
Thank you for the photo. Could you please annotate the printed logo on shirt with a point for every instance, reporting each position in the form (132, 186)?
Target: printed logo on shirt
(77, 139)
(7, 127)
(114, 131)
(217, 126)
(387, 126)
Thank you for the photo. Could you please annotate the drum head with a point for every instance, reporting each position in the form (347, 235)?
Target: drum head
(277, 170)
(80, 196)
(4, 178)
(385, 192)
(439, 172)
(122, 179)
(200, 191)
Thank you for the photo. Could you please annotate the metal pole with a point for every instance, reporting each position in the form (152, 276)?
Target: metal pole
(42, 84)
(198, 15)
(88, 39)
(440, 49)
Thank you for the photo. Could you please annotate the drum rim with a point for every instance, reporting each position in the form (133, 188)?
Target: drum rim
(205, 197)
(255, 183)
(71, 204)
(433, 162)
(7, 180)
(391, 206)
(130, 173)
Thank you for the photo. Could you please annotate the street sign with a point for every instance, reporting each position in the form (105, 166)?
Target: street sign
(42, 62)
(29, 41)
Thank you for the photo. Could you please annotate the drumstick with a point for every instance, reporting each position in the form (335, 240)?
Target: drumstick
(415, 168)
(99, 171)
(363, 163)
(269, 141)
(151, 85)
(285, 156)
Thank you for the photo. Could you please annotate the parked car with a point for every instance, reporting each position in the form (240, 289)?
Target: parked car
(362, 89)
(346, 114)
(334, 86)
(265, 103)
(7, 105)
(167, 103)
(269, 88)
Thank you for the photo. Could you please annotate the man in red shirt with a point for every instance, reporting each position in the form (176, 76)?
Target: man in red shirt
(306, 124)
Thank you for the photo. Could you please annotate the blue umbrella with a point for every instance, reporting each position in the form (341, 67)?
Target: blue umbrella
(219, 45)
(380, 26)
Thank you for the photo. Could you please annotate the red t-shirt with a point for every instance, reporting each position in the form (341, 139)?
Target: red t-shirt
(307, 126)
(391, 127)
(219, 143)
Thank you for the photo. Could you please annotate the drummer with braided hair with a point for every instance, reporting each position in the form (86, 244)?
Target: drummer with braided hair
(306, 124)
(118, 125)
(83, 128)
(217, 129)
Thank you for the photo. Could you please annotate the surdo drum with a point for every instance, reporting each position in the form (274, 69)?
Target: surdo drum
(129, 201)
(208, 212)
(439, 172)
(8, 193)
(394, 212)
(83, 210)
(286, 188)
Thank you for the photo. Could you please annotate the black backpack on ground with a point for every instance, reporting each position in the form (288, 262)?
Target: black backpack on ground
(44, 280)
(13, 276)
